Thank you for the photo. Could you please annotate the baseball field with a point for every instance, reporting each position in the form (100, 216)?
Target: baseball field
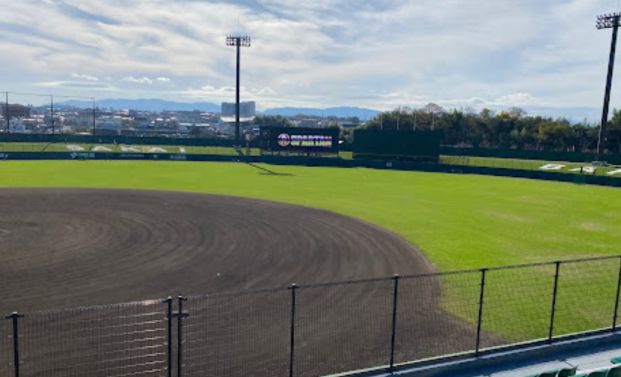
(99, 246)
(458, 221)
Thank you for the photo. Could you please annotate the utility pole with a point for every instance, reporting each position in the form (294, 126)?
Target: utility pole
(94, 114)
(238, 41)
(52, 112)
(607, 21)
(7, 114)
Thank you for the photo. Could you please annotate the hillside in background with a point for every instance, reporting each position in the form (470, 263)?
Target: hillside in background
(154, 105)
(573, 114)
(339, 112)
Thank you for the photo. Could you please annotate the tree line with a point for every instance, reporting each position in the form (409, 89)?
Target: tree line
(511, 129)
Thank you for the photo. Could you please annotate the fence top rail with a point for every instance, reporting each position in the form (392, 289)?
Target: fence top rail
(325, 284)
(563, 261)
(85, 308)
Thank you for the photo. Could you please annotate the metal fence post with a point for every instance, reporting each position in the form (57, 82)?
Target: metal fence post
(15, 318)
(480, 317)
(616, 313)
(169, 317)
(293, 288)
(395, 295)
(554, 294)
(180, 316)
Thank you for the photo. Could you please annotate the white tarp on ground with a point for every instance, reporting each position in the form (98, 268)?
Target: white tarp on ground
(585, 169)
(74, 148)
(101, 148)
(181, 150)
(614, 172)
(157, 150)
(129, 149)
(552, 167)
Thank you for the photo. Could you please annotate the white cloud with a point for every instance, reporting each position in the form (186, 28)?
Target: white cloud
(84, 77)
(517, 99)
(75, 87)
(380, 54)
(137, 80)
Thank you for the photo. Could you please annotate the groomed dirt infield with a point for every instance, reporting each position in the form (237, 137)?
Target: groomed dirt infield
(70, 247)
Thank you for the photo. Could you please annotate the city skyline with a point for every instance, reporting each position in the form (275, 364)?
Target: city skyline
(324, 54)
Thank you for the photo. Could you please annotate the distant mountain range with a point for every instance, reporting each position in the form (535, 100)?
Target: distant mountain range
(340, 112)
(574, 114)
(154, 105)
(162, 105)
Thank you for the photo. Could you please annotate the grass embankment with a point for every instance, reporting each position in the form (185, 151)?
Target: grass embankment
(510, 163)
(119, 148)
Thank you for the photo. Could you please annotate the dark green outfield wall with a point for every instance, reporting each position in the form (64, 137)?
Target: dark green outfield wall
(444, 150)
(113, 139)
(325, 162)
(528, 155)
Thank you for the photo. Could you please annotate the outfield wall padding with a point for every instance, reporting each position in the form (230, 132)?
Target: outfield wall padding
(114, 139)
(399, 145)
(529, 154)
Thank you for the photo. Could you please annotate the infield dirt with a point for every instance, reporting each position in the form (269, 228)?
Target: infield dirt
(69, 247)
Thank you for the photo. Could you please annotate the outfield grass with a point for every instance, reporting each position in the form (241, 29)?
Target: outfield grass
(458, 221)
(119, 148)
(510, 163)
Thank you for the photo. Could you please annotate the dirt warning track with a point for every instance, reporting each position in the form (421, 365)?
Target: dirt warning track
(71, 247)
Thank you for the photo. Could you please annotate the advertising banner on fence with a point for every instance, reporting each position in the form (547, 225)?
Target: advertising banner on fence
(300, 140)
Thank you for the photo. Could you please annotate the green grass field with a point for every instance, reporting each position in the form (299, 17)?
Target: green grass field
(458, 221)
(118, 148)
(510, 163)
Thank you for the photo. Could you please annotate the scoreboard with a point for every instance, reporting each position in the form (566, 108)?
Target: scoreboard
(300, 140)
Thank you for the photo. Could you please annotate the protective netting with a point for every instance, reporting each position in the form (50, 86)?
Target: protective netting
(343, 327)
(517, 304)
(6, 348)
(586, 296)
(436, 315)
(245, 334)
(107, 341)
(339, 327)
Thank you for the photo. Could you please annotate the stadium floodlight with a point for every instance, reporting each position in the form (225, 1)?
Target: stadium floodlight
(607, 21)
(52, 112)
(7, 115)
(238, 41)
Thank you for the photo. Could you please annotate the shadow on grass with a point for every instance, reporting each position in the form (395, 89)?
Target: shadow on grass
(266, 171)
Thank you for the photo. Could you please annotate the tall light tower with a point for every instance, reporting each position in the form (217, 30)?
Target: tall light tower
(52, 112)
(7, 115)
(238, 41)
(607, 21)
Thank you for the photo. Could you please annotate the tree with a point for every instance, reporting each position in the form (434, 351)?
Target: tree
(613, 133)
(512, 129)
(272, 121)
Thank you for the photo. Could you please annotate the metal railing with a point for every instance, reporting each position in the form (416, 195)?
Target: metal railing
(319, 329)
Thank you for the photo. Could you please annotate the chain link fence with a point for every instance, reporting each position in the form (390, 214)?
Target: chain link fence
(321, 329)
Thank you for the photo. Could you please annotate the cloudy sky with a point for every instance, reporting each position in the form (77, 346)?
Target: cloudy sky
(379, 54)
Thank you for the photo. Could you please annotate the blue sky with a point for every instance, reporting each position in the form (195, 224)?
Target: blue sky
(380, 54)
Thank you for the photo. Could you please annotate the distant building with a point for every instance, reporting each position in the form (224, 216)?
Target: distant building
(19, 111)
(247, 111)
(348, 125)
(110, 125)
(308, 123)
